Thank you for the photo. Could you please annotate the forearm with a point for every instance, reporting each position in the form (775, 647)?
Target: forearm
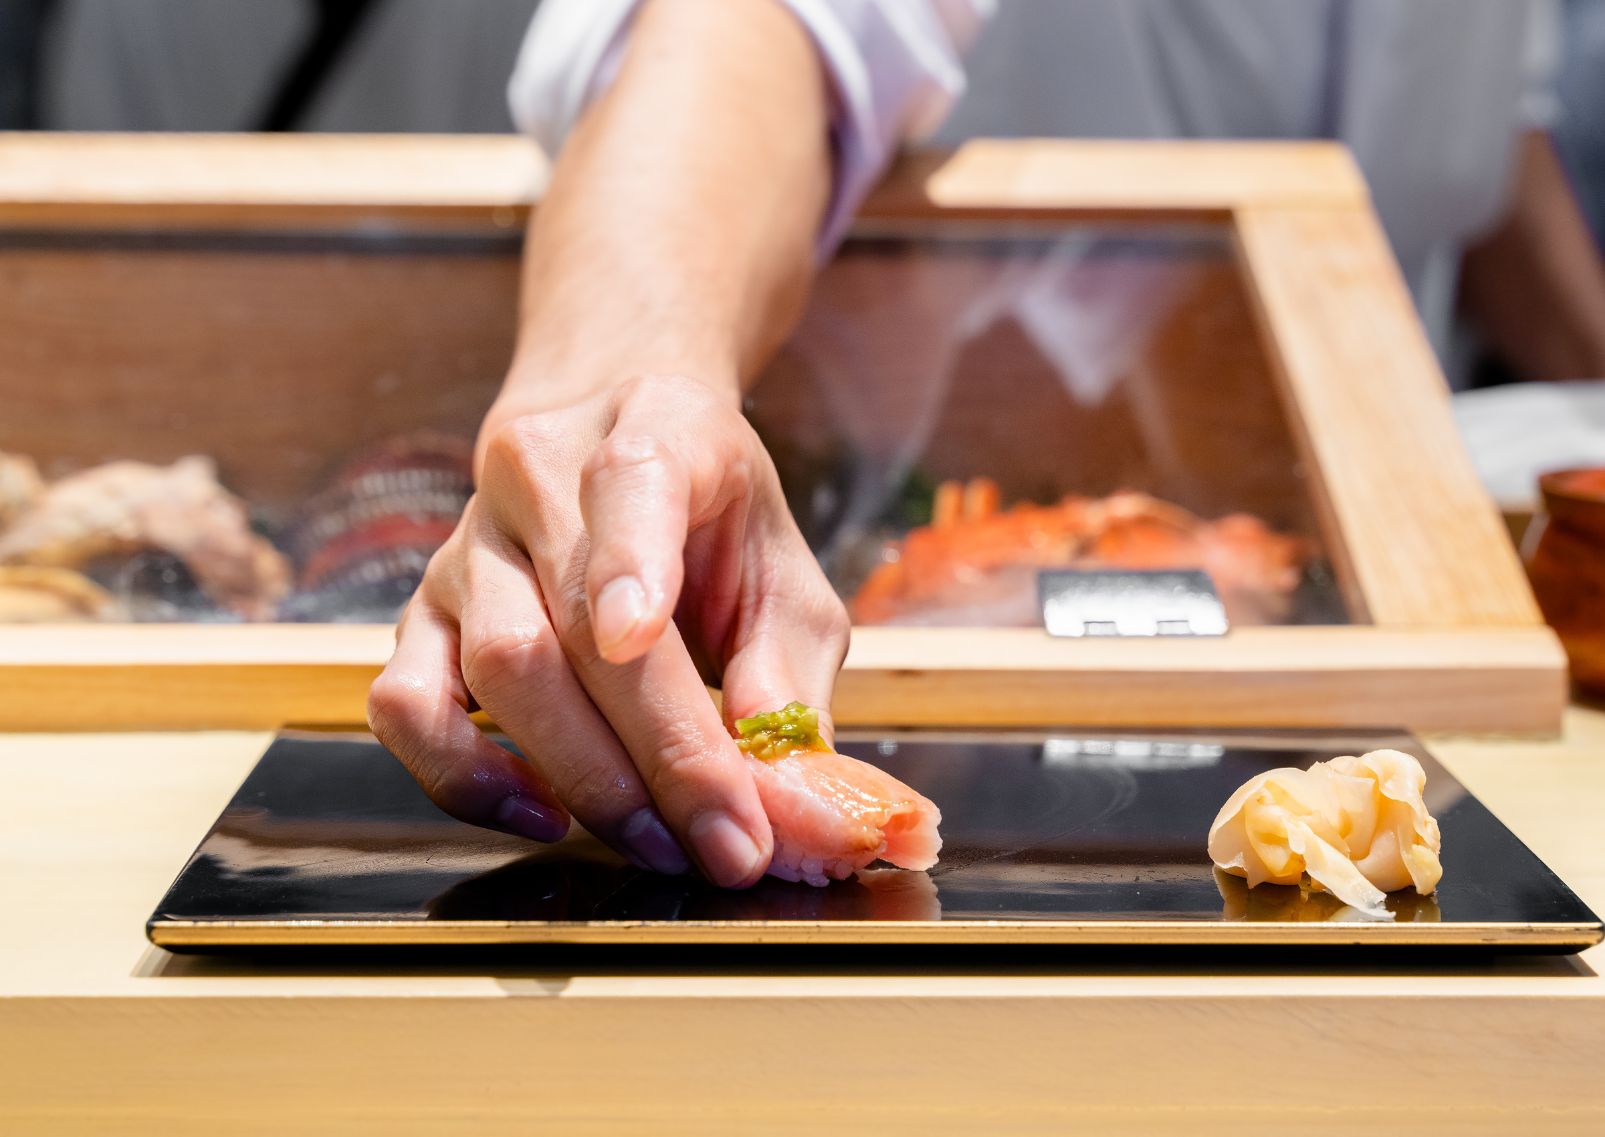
(676, 235)
(1536, 285)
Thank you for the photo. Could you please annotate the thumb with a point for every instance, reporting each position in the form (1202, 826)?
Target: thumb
(792, 653)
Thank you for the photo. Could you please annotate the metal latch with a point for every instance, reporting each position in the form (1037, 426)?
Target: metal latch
(1130, 602)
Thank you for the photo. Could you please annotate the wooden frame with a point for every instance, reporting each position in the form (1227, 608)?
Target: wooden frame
(200, 677)
(1454, 640)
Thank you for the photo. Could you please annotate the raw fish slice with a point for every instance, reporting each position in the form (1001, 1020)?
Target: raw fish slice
(976, 562)
(832, 815)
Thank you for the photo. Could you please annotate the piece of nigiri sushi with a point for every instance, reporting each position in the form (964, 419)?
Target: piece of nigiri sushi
(831, 815)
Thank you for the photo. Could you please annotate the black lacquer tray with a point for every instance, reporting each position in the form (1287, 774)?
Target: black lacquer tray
(1063, 837)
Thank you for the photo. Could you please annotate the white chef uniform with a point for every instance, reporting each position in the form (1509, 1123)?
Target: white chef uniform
(1430, 94)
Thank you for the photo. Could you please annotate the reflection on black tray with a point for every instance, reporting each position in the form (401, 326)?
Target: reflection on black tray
(1290, 904)
(1056, 828)
(543, 888)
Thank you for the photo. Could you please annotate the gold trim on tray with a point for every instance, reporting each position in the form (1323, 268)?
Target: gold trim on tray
(206, 933)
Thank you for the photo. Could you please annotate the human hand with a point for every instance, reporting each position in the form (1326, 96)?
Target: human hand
(620, 550)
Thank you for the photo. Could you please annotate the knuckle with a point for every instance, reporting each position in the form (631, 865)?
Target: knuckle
(829, 618)
(657, 385)
(401, 714)
(439, 782)
(617, 454)
(747, 470)
(508, 656)
(678, 399)
(573, 621)
(679, 762)
(444, 561)
(746, 436)
(595, 794)
(514, 443)
(743, 473)
(407, 614)
(570, 614)
(393, 705)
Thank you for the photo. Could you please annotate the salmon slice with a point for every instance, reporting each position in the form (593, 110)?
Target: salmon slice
(832, 815)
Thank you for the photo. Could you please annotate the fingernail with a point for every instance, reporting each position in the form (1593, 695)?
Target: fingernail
(728, 855)
(620, 606)
(654, 846)
(525, 817)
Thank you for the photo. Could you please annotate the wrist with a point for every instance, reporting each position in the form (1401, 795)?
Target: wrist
(545, 374)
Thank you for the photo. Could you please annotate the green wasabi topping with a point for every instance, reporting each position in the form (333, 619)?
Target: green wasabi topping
(772, 735)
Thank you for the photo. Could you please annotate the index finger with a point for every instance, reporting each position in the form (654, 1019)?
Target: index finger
(659, 708)
(656, 704)
(634, 500)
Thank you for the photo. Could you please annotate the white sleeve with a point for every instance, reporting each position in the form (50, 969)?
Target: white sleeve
(1541, 56)
(895, 69)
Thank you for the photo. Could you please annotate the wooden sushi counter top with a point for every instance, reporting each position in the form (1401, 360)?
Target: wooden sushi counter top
(289, 247)
(101, 1033)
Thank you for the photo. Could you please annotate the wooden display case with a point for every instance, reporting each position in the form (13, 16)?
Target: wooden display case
(276, 302)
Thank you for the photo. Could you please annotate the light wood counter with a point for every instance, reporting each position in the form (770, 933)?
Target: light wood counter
(101, 1034)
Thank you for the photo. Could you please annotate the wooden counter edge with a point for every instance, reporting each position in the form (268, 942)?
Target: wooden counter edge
(1142, 1065)
(1472, 680)
(206, 180)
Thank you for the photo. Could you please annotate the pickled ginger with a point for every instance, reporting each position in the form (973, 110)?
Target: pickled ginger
(1354, 826)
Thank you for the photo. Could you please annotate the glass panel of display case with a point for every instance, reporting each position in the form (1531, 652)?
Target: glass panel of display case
(231, 426)
(278, 426)
(962, 408)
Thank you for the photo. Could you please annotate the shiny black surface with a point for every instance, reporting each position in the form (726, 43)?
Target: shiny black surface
(1060, 827)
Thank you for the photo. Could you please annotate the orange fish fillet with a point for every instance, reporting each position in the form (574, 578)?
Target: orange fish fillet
(833, 815)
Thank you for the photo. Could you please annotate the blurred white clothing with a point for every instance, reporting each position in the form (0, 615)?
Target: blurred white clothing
(1431, 95)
